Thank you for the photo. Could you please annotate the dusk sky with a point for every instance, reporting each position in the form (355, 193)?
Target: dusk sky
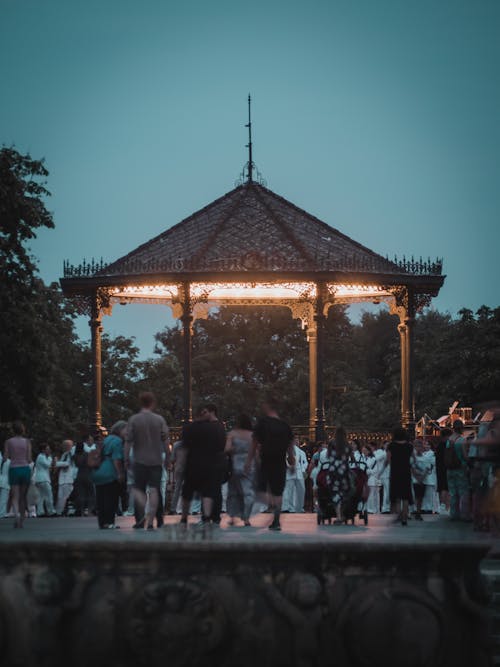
(380, 117)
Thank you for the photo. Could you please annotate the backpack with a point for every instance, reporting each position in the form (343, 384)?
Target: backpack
(80, 456)
(451, 458)
(95, 457)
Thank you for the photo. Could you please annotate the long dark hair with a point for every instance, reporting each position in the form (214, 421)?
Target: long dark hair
(339, 443)
(244, 422)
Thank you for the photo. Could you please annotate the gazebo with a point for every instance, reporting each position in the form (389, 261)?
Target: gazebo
(253, 247)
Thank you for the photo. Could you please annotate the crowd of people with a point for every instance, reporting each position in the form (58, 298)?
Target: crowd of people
(253, 467)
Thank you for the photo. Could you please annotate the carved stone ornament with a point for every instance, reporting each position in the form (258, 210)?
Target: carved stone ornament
(400, 625)
(174, 618)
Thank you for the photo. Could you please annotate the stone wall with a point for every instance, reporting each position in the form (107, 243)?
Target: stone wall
(194, 603)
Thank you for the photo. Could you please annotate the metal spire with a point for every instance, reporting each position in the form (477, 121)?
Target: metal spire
(247, 174)
(249, 145)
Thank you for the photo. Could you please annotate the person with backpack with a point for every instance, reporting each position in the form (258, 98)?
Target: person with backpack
(83, 487)
(455, 461)
(106, 465)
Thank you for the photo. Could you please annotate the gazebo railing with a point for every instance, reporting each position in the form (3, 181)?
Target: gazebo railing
(271, 261)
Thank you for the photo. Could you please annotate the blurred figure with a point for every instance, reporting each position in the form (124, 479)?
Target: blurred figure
(399, 453)
(241, 491)
(4, 485)
(385, 477)
(274, 438)
(420, 468)
(430, 503)
(455, 458)
(147, 434)
(441, 473)
(43, 482)
(18, 450)
(83, 487)
(295, 487)
(108, 477)
(340, 478)
(66, 472)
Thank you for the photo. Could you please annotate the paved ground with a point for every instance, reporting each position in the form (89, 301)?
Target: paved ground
(381, 530)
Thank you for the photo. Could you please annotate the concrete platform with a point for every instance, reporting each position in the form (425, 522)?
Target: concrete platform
(296, 528)
(234, 597)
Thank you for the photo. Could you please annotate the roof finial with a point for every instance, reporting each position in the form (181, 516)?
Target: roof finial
(249, 145)
(247, 174)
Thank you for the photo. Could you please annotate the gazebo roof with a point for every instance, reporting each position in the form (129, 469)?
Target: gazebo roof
(250, 230)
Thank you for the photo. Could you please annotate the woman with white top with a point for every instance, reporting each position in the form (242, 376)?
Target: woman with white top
(373, 502)
(430, 502)
(66, 478)
(18, 450)
(43, 466)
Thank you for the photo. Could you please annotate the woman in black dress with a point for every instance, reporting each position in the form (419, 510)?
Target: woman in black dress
(399, 454)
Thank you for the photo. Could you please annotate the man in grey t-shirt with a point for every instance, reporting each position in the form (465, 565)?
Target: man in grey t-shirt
(147, 435)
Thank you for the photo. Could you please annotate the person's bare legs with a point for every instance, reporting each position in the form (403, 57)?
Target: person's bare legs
(139, 504)
(185, 510)
(275, 507)
(15, 491)
(404, 513)
(207, 505)
(153, 505)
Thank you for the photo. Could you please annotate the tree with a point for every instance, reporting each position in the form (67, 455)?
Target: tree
(241, 354)
(22, 212)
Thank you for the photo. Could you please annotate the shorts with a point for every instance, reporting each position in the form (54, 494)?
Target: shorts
(273, 478)
(145, 476)
(201, 479)
(18, 476)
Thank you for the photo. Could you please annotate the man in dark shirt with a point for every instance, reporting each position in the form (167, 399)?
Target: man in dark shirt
(204, 441)
(274, 438)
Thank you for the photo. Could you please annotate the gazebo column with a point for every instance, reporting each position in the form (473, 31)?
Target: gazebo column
(312, 339)
(187, 322)
(316, 337)
(95, 337)
(406, 334)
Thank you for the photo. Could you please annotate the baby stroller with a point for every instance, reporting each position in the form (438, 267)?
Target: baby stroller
(326, 507)
(355, 500)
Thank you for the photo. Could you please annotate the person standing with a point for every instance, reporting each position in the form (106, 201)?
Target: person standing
(66, 477)
(274, 437)
(18, 450)
(430, 503)
(455, 457)
(385, 478)
(147, 434)
(399, 454)
(4, 485)
(241, 494)
(204, 441)
(373, 502)
(441, 473)
(43, 466)
(109, 476)
(177, 466)
(295, 488)
(84, 489)
(420, 468)
(339, 473)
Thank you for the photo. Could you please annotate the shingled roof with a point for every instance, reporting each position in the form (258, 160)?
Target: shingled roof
(250, 229)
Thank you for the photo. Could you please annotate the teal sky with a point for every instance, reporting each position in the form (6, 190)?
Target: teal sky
(380, 117)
